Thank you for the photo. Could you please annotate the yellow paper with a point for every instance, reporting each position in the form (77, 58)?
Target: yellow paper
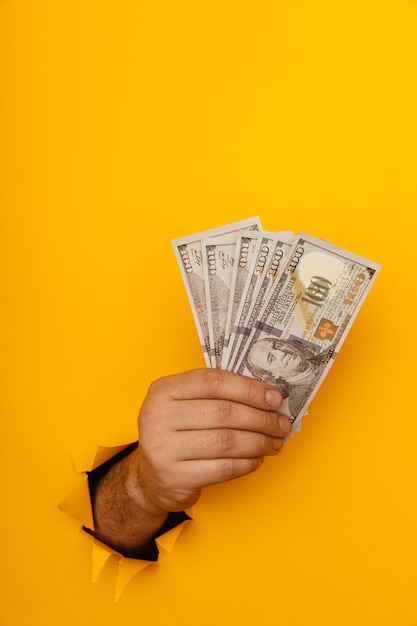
(128, 568)
(100, 555)
(167, 541)
(124, 125)
(78, 505)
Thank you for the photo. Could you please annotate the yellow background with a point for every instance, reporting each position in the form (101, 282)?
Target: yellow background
(126, 124)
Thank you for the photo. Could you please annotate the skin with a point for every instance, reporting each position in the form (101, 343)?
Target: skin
(197, 428)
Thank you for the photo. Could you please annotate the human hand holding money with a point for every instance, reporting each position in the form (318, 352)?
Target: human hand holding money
(273, 306)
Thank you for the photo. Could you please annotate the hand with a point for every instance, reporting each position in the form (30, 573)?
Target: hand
(196, 429)
(204, 427)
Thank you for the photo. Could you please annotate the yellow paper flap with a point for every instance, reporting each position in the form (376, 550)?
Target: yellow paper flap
(104, 453)
(167, 541)
(128, 568)
(100, 555)
(78, 504)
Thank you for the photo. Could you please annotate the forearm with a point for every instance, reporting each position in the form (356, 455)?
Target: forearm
(197, 429)
(123, 517)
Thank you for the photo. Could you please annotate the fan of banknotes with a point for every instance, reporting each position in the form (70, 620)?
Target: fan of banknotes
(272, 305)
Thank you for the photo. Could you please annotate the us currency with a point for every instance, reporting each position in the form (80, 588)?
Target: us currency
(247, 245)
(189, 257)
(272, 252)
(305, 319)
(218, 254)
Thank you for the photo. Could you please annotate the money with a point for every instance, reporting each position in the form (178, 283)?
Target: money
(305, 319)
(273, 306)
(246, 249)
(272, 252)
(189, 258)
(219, 269)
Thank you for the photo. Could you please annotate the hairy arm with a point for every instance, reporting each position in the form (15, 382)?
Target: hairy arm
(123, 518)
(196, 429)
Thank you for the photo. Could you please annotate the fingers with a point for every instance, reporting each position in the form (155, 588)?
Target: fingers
(207, 426)
(214, 471)
(220, 384)
(215, 399)
(206, 414)
(223, 443)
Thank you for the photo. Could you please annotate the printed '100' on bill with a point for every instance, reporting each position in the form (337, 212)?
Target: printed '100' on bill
(272, 252)
(220, 262)
(305, 320)
(247, 245)
(189, 257)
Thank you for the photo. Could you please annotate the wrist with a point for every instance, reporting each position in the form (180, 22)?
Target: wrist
(123, 518)
(140, 489)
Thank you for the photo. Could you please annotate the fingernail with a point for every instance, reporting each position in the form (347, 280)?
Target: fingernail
(273, 398)
(284, 424)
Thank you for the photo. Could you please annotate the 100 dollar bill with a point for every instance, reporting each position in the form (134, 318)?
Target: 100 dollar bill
(247, 247)
(272, 251)
(189, 257)
(222, 263)
(305, 320)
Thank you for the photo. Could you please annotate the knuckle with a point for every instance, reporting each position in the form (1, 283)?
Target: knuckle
(228, 468)
(251, 392)
(225, 440)
(224, 411)
(155, 386)
(268, 422)
(218, 442)
(151, 450)
(212, 383)
(265, 445)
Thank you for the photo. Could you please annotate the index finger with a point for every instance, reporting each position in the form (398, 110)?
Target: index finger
(222, 385)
